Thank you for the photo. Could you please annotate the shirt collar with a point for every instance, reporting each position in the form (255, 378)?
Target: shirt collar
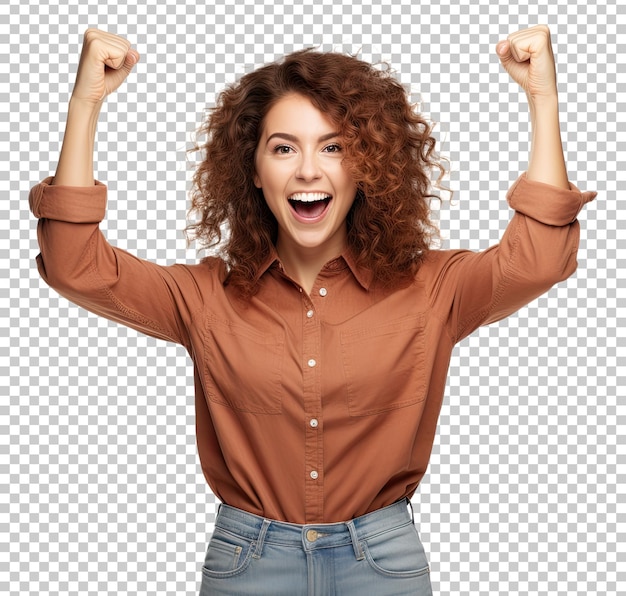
(361, 274)
(271, 258)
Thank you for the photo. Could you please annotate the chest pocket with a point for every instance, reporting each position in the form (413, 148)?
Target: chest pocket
(243, 367)
(384, 366)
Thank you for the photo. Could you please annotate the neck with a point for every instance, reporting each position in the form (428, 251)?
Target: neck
(304, 264)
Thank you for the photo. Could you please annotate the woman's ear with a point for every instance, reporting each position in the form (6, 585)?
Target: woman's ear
(256, 180)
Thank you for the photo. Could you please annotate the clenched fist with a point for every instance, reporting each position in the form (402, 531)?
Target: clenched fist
(105, 61)
(527, 56)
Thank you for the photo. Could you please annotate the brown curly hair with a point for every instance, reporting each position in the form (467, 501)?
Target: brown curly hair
(388, 150)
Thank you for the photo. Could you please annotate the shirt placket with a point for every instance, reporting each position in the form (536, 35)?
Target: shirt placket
(312, 398)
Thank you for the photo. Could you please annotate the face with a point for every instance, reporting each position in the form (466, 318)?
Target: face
(299, 169)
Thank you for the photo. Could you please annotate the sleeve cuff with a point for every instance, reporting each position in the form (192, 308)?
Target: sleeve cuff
(73, 204)
(548, 204)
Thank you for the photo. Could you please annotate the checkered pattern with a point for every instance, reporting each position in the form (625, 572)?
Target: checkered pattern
(101, 489)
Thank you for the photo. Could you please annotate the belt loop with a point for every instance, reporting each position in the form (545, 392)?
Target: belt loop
(412, 512)
(261, 539)
(358, 551)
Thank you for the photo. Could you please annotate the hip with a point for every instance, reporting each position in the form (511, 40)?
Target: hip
(378, 553)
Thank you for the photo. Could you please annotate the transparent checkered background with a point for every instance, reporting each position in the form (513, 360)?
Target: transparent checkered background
(100, 488)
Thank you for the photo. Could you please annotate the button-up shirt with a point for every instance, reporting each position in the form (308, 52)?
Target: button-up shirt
(315, 407)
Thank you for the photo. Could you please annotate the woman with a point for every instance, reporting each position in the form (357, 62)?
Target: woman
(322, 334)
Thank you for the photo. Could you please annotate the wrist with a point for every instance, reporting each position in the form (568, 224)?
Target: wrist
(84, 107)
(542, 106)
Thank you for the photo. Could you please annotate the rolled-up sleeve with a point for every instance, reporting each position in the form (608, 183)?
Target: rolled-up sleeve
(547, 204)
(71, 204)
(77, 261)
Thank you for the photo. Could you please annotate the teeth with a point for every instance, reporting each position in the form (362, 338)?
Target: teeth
(309, 197)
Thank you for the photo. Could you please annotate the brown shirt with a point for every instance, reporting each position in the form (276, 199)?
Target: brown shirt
(320, 407)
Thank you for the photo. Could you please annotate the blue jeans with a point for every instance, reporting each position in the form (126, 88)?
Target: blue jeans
(379, 554)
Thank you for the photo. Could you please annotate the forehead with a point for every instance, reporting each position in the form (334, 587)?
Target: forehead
(294, 113)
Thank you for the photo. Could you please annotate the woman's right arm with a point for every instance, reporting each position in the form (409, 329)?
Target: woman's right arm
(105, 62)
(76, 260)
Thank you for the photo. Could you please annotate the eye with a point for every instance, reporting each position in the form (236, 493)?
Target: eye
(283, 149)
(333, 148)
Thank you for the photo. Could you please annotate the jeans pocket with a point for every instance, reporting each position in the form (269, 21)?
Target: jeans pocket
(227, 555)
(397, 553)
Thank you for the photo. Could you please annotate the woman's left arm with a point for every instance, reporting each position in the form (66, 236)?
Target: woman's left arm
(527, 57)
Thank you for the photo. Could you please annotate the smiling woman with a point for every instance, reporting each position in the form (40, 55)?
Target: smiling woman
(309, 191)
(343, 112)
(321, 335)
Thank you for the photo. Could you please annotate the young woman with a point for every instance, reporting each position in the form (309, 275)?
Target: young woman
(321, 336)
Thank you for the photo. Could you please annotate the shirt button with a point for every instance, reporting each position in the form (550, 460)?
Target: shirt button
(323, 292)
(314, 475)
(309, 314)
(314, 423)
(311, 363)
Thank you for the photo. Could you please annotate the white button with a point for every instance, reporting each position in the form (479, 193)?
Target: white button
(314, 422)
(311, 363)
(323, 291)
(309, 314)
(314, 475)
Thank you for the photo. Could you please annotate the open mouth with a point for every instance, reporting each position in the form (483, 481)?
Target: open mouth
(309, 205)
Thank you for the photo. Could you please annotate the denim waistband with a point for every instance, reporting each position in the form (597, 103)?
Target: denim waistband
(313, 536)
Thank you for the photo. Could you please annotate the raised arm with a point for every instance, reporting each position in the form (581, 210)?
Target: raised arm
(539, 247)
(76, 259)
(105, 62)
(527, 56)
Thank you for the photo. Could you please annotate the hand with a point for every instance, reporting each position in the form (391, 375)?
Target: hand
(527, 56)
(105, 62)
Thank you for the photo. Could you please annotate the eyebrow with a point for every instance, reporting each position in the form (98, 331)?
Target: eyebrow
(294, 139)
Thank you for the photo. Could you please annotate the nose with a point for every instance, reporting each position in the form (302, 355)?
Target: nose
(308, 166)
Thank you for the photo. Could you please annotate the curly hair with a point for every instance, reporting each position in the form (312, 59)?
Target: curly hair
(388, 149)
